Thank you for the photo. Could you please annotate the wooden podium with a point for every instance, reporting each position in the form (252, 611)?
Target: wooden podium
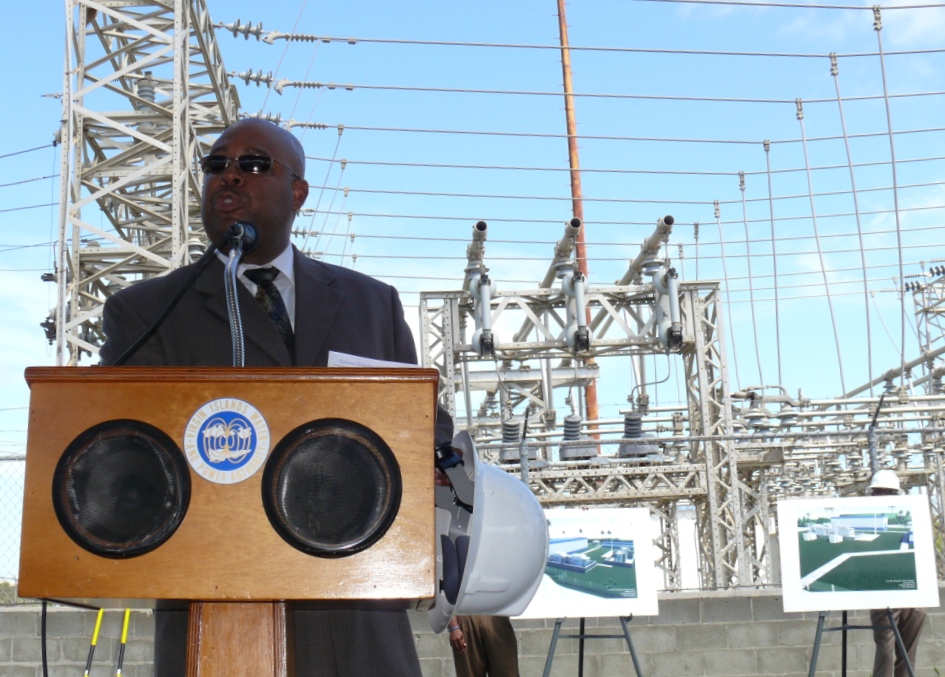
(225, 555)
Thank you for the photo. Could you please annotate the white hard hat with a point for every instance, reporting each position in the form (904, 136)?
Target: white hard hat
(489, 561)
(885, 479)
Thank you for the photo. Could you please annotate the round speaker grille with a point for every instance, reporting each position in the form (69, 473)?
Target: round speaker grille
(121, 488)
(331, 488)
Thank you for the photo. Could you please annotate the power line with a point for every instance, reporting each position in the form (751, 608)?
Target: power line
(460, 257)
(665, 201)
(601, 243)
(268, 80)
(602, 222)
(28, 150)
(256, 31)
(498, 196)
(528, 284)
(285, 51)
(603, 137)
(18, 209)
(12, 248)
(595, 170)
(795, 5)
(38, 178)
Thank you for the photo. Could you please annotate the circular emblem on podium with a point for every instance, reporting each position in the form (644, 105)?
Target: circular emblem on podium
(226, 441)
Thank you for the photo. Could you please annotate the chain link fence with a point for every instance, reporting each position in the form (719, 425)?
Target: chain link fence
(12, 469)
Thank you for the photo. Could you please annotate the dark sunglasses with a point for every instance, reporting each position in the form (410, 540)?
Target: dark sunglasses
(249, 164)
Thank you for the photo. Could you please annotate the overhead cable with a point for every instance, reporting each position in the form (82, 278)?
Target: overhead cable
(723, 258)
(794, 5)
(280, 85)
(38, 178)
(19, 209)
(617, 200)
(598, 137)
(28, 150)
(611, 170)
(774, 260)
(878, 28)
(270, 37)
(285, 51)
(751, 279)
(835, 73)
(603, 222)
(726, 289)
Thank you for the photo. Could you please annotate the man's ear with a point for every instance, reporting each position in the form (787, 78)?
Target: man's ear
(299, 193)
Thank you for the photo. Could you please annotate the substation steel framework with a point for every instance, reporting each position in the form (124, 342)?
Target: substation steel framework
(144, 89)
(545, 354)
(729, 455)
(929, 299)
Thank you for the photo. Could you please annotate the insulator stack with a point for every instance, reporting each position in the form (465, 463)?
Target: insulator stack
(633, 425)
(511, 431)
(572, 427)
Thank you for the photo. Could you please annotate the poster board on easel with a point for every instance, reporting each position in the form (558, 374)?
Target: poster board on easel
(600, 564)
(870, 552)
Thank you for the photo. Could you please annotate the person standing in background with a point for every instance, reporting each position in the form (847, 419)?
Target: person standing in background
(888, 661)
(483, 646)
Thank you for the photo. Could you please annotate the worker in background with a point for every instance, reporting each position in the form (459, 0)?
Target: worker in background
(483, 645)
(889, 660)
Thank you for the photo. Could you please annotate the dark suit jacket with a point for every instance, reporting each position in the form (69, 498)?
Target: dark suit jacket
(335, 309)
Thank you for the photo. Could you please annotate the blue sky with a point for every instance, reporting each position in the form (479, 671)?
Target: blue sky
(411, 220)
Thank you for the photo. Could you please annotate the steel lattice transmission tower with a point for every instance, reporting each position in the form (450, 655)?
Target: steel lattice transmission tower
(144, 90)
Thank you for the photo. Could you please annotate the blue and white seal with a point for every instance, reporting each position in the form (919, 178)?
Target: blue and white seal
(226, 441)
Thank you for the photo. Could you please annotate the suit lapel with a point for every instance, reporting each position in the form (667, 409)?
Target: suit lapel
(317, 303)
(256, 326)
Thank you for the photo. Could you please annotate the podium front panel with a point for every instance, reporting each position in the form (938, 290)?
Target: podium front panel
(221, 545)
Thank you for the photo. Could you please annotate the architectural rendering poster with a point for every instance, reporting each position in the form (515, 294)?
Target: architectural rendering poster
(600, 563)
(857, 553)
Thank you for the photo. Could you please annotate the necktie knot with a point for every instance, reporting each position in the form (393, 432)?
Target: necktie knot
(261, 276)
(268, 296)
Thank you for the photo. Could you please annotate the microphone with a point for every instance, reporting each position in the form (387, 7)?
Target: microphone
(244, 233)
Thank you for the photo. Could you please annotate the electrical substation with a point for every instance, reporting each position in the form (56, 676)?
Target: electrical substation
(521, 363)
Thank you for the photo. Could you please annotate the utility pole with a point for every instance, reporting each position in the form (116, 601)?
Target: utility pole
(590, 391)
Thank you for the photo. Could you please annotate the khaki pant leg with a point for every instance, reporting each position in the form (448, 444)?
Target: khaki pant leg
(501, 646)
(888, 661)
(472, 662)
(910, 623)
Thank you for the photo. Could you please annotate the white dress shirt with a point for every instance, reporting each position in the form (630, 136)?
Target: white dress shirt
(284, 281)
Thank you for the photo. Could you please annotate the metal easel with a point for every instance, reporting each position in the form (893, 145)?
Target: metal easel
(624, 621)
(843, 627)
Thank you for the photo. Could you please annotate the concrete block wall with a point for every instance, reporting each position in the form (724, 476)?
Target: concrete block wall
(705, 635)
(68, 634)
(695, 635)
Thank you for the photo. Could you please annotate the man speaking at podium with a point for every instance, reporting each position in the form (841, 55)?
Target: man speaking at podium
(302, 309)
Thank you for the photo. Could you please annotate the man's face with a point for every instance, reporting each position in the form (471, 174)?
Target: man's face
(269, 200)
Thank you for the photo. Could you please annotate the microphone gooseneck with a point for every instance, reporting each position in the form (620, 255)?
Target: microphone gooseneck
(243, 239)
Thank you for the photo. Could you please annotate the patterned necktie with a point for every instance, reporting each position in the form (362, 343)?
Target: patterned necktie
(271, 301)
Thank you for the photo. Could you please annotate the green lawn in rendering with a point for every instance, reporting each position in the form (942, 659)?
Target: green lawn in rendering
(604, 580)
(893, 570)
(871, 572)
(814, 554)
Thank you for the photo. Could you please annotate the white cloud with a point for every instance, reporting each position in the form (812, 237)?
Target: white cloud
(913, 28)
